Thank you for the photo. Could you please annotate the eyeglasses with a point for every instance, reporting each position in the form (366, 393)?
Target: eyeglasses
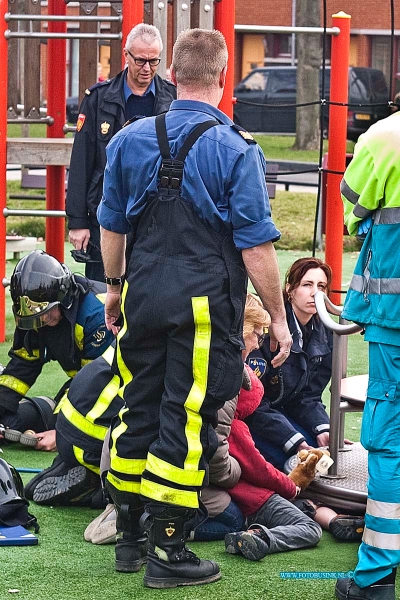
(260, 338)
(140, 62)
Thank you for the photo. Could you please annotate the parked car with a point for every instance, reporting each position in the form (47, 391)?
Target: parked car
(277, 86)
(72, 109)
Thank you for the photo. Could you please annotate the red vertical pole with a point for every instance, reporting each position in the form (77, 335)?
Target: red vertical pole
(337, 149)
(56, 94)
(3, 162)
(132, 14)
(225, 23)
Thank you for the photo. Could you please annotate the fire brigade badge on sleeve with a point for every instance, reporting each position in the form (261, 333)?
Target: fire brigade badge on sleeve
(80, 122)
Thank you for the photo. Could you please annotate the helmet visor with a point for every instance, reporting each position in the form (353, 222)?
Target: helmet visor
(33, 315)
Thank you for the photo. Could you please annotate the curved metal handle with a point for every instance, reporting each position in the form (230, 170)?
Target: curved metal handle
(322, 304)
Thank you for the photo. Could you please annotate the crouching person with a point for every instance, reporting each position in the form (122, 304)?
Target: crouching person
(257, 492)
(85, 413)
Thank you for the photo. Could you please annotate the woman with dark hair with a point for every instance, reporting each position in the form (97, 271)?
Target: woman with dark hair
(291, 415)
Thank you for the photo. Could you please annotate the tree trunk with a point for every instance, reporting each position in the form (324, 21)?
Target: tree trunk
(309, 54)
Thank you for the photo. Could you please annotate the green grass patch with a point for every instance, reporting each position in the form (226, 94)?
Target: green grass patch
(280, 147)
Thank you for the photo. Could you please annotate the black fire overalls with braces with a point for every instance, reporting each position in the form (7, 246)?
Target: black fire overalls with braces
(179, 350)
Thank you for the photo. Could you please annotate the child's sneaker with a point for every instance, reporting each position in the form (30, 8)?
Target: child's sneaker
(233, 542)
(347, 528)
(253, 543)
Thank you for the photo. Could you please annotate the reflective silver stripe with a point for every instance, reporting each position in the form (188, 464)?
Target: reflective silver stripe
(348, 193)
(295, 439)
(387, 216)
(361, 212)
(322, 427)
(375, 286)
(383, 510)
(386, 541)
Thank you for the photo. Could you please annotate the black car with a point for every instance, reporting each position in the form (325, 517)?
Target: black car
(72, 109)
(277, 86)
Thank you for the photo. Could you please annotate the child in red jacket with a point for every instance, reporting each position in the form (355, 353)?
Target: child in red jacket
(263, 493)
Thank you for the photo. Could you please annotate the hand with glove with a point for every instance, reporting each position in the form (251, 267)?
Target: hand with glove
(304, 472)
(363, 227)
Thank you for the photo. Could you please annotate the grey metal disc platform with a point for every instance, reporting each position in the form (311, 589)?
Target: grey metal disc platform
(346, 492)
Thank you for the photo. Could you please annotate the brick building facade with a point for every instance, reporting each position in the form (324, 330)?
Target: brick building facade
(370, 43)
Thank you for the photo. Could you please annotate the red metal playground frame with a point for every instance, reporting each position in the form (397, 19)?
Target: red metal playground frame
(224, 20)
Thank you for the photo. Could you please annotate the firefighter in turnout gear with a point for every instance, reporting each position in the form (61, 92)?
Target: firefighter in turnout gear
(86, 411)
(370, 191)
(201, 220)
(58, 316)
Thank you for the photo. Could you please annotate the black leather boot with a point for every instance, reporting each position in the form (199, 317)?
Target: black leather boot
(131, 546)
(169, 562)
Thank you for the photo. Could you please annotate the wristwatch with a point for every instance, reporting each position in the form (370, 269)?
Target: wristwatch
(113, 280)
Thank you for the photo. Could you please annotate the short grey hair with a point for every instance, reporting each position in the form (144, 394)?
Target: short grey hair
(148, 33)
(199, 56)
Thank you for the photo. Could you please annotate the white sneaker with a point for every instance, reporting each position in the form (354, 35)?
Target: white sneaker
(103, 529)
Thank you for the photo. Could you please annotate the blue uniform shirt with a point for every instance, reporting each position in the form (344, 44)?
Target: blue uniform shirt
(224, 176)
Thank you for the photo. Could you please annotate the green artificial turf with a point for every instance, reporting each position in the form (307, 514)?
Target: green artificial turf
(65, 567)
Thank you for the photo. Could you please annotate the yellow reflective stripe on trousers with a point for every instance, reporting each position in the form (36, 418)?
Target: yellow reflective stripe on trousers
(385, 541)
(190, 474)
(104, 400)
(195, 399)
(14, 384)
(126, 375)
(108, 355)
(78, 452)
(80, 422)
(162, 493)
(383, 510)
(163, 469)
(127, 466)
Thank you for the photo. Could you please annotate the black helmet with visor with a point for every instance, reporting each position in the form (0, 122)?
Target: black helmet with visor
(38, 284)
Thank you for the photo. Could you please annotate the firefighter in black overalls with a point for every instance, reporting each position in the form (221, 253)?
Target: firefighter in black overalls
(179, 347)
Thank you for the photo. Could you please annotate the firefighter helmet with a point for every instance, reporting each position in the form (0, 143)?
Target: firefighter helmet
(39, 283)
(11, 486)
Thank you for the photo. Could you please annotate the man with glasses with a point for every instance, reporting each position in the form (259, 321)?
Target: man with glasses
(137, 91)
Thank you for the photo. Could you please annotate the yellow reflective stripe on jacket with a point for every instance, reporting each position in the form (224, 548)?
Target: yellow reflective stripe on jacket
(102, 297)
(201, 357)
(23, 353)
(162, 493)
(80, 422)
(71, 374)
(385, 541)
(14, 384)
(78, 452)
(124, 486)
(79, 336)
(172, 473)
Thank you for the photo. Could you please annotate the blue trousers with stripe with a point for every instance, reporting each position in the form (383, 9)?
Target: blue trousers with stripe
(379, 551)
